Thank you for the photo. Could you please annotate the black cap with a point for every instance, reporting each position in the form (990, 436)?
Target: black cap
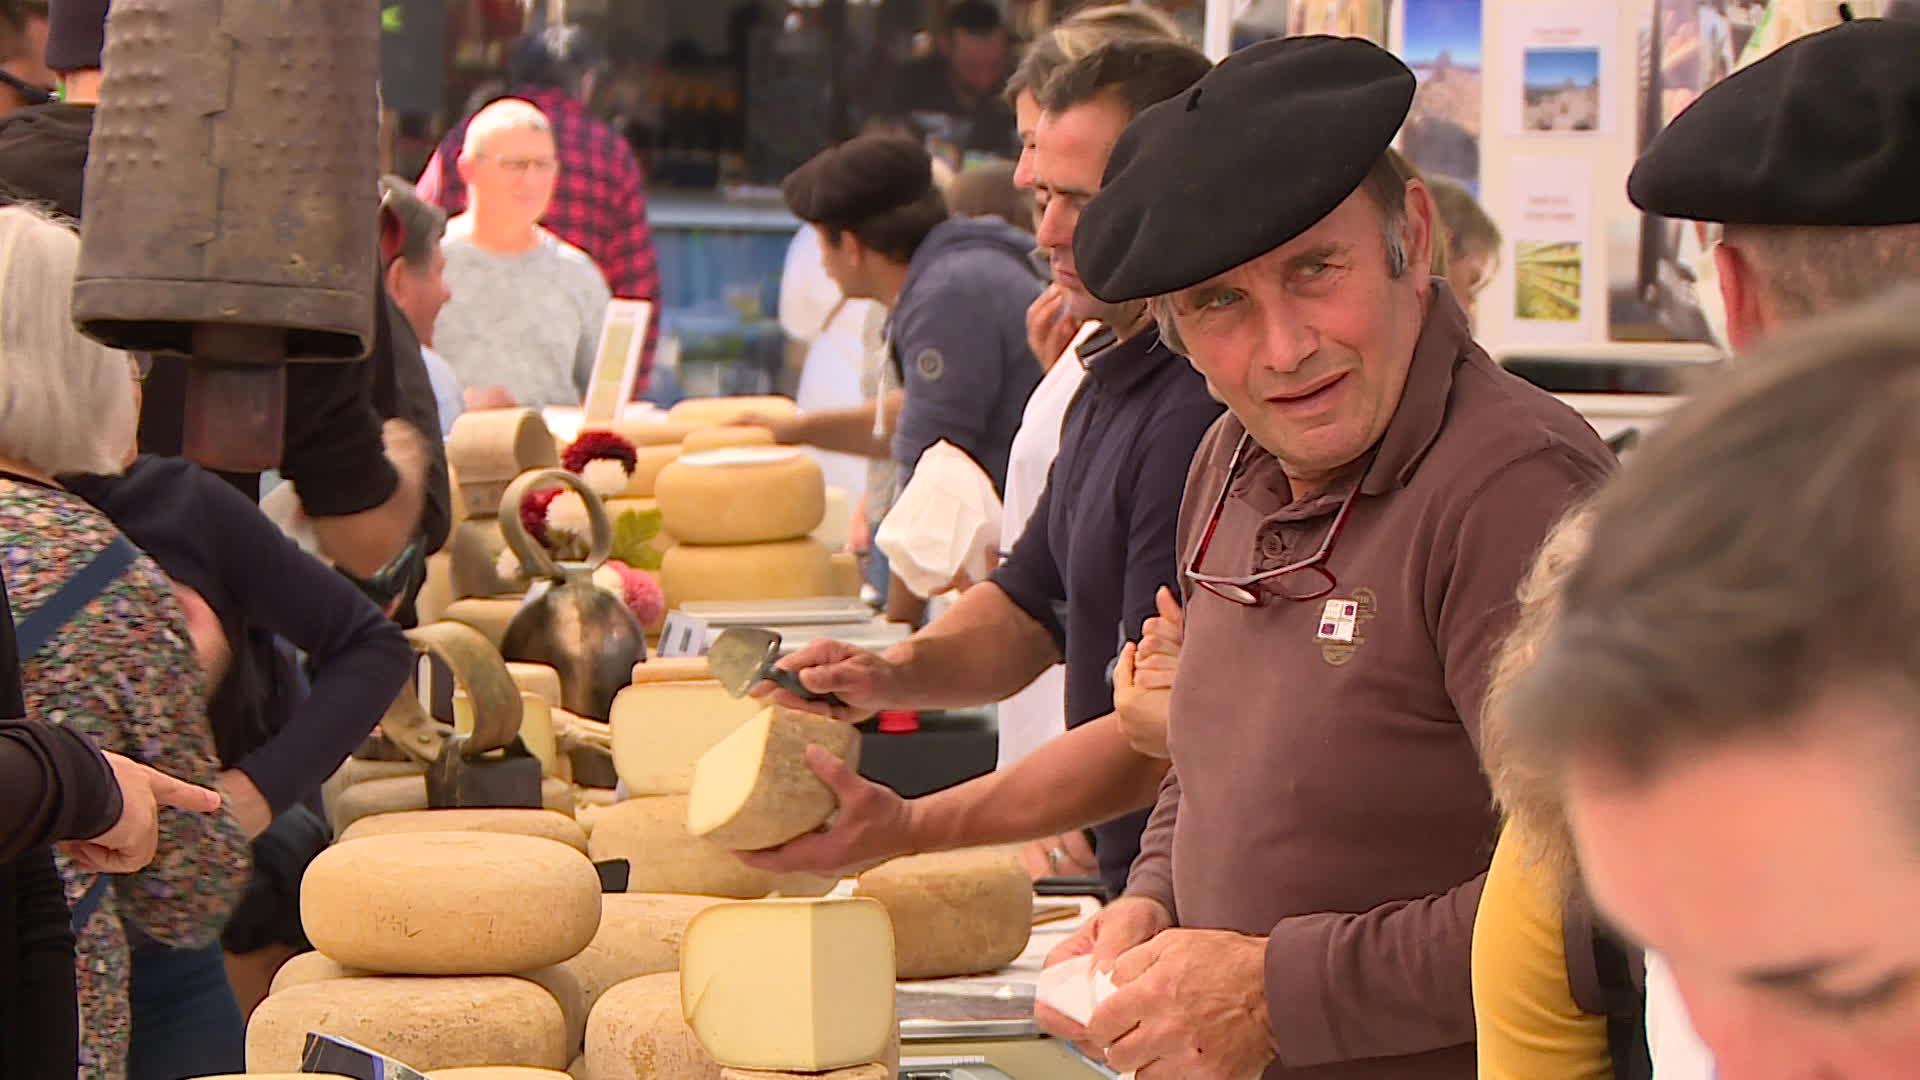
(1264, 146)
(76, 34)
(845, 186)
(1825, 131)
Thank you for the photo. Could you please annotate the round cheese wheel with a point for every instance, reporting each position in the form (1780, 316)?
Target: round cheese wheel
(723, 410)
(637, 1033)
(651, 834)
(789, 570)
(847, 578)
(497, 1072)
(499, 444)
(742, 495)
(954, 912)
(450, 903)
(714, 438)
(558, 980)
(646, 432)
(578, 1070)
(639, 935)
(427, 1023)
(474, 559)
(545, 824)
(370, 797)
(648, 461)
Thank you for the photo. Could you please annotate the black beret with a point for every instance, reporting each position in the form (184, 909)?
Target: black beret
(1264, 146)
(1825, 131)
(76, 34)
(845, 186)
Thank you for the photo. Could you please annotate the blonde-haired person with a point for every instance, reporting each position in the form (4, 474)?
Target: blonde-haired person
(1473, 241)
(121, 668)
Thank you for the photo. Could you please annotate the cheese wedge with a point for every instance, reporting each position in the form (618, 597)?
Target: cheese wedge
(754, 790)
(660, 730)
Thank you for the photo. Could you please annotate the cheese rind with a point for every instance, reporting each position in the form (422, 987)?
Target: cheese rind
(546, 824)
(802, 985)
(540, 680)
(639, 934)
(369, 797)
(870, 1071)
(651, 833)
(713, 438)
(488, 615)
(754, 790)
(707, 412)
(647, 463)
(954, 912)
(672, 669)
(660, 730)
(428, 1023)
(497, 1072)
(450, 903)
(742, 495)
(311, 967)
(558, 980)
(788, 570)
(636, 1032)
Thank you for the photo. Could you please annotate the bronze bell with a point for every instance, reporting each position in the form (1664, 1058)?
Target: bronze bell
(231, 195)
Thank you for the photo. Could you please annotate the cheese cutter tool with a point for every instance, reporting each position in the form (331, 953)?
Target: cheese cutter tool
(743, 657)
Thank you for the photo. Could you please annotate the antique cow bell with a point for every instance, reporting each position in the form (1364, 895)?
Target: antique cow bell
(231, 202)
(487, 767)
(583, 631)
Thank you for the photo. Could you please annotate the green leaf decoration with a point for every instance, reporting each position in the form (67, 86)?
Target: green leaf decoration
(633, 535)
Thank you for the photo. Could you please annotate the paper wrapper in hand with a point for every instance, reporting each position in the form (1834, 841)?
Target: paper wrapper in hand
(1075, 990)
(946, 523)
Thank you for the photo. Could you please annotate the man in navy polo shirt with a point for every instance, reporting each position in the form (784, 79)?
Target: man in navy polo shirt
(1082, 579)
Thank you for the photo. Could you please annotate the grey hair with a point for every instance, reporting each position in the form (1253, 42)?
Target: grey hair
(1812, 269)
(507, 114)
(66, 401)
(1393, 231)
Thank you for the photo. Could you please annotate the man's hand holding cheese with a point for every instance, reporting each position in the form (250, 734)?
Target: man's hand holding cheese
(1351, 540)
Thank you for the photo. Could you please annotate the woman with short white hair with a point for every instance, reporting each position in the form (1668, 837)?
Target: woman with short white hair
(107, 649)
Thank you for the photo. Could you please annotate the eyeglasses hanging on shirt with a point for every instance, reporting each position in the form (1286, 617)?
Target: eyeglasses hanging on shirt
(1307, 579)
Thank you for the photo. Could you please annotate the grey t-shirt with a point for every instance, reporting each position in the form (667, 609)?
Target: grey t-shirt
(529, 322)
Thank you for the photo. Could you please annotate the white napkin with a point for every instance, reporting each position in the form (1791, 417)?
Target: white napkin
(946, 521)
(1074, 990)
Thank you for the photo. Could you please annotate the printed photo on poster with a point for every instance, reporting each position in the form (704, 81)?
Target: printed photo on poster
(1261, 20)
(1441, 43)
(1562, 89)
(1551, 221)
(1546, 276)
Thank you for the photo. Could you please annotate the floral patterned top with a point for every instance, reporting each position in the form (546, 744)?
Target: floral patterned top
(124, 672)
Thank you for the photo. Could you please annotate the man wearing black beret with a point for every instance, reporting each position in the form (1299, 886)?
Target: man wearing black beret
(1805, 168)
(956, 289)
(1351, 540)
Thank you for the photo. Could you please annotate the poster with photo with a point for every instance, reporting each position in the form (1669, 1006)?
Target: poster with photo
(1440, 41)
(1551, 225)
(1261, 20)
(1564, 88)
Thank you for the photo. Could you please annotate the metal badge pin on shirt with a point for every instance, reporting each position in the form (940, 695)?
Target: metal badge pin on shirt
(1338, 621)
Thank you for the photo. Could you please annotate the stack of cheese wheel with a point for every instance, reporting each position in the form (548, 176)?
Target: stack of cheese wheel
(743, 517)
(485, 451)
(655, 446)
(442, 948)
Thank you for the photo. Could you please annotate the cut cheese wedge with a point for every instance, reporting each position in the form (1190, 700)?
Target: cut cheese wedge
(707, 412)
(536, 727)
(540, 680)
(788, 570)
(450, 903)
(651, 834)
(660, 730)
(639, 934)
(545, 824)
(955, 912)
(636, 1032)
(672, 669)
(802, 985)
(428, 1023)
(742, 495)
(754, 790)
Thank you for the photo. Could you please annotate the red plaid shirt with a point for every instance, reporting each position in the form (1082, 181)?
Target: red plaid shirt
(600, 205)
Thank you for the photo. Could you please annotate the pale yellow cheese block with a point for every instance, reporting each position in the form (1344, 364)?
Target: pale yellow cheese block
(836, 527)
(799, 985)
(672, 669)
(546, 824)
(955, 912)
(538, 679)
(788, 570)
(637, 1032)
(707, 412)
(639, 935)
(651, 834)
(647, 463)
(428, 1023)
(742, 495)
(536, 727)
(870, 1071)
(846, 574)
(436, 592)
(754, 790)
(661, 729)
(714, 438)
(497, 1072)
(559, 980)
(450, 903)
(489, 615)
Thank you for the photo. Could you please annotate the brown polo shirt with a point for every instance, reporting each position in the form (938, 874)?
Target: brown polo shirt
(1326, 790)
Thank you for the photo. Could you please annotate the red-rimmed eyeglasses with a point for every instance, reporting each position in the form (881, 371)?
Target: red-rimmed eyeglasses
(1308, 579)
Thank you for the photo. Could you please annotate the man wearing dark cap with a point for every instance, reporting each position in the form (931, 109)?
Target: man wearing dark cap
(1351, 540)
(1805, 159)
(952, 96)
(1082, 579)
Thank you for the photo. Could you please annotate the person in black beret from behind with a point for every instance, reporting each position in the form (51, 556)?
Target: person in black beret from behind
(1803, 172)
(1351, 541)
(957, 291)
